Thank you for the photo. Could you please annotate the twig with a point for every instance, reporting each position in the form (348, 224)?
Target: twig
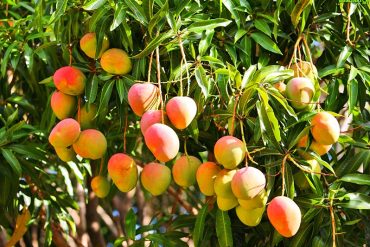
(332, 222)
(348, 40)
(159, 83)
(186, 65)
(150, 66)
(295, 50)
(173, 193)
(283, 174)
(124, 134)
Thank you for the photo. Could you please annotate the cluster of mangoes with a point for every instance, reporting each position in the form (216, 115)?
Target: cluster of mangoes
(234, 187)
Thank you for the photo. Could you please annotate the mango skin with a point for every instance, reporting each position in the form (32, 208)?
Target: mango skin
(63, 105)
(88, 45)
(101, 186)
(248, 182)
(69, 80)
(65, 133)
(155, 178)
(250, 217)
(300, 91)
(87, 118)
(206, 175)
(325, 128)
(318, 148)
(222, 185)
(184, 170)
(123, 171)
(229, 151)
(162, 141)
(116, 61)
(181, 110)
(143, 97)
(258, 201)
(65, 154)
(91, 144)
(151, 117)
(226, 204)
(285, 215)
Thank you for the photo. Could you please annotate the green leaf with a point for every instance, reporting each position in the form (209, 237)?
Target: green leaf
(5, 59)
(223, 229)
(262, 25)
(200, 26)
(105, 96)
(60, 9)
(199, 225)
(130, 224)
(154, 43)
(202, 80)
(265, 42)
(205, 42)
(157, 18)
(119, 16)
(356, 178)
(356, 201)
(123, 85)
(91, 89)
(12, 161)
(137, 11)
(297, 11)
(352, 88)
(93, 4)
(346, 52)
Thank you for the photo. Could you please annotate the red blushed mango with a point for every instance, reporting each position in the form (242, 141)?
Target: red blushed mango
(285, 215)
(229, 151)
(123, 171)
(91, 144)
(300, 91)
(181, 110)
(184, 170)
(151, 117)
(318, 148)
(206, 175)
(325, 128)
(248, 182)
(101, 186)
(228, 203)
(162, 141)
(222, 183)
(88, 45)
(65, 154)
(143, 97)
(65, 133)
(155, 178)
(250, 217)
(116, 61)
(63, 105)
(69, 80)
(87, 118)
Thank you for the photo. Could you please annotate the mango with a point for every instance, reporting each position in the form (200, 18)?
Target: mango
(258, 201)
(91, 144)
(87, 117)
(69, 80)
(116, 61)
(284, 215)
(101, 186)
(65, 154)
(206, 175)
(143, 97)
(248, 182)
(63, 105)
(226, 204)
(65, 133)
(325, 128)
(162, 141)
(281, 87)
(300, 91)
(318, 148)
(181, 111)
(155, 178)
(88, 45)
(184, 170)
(151, 117)
(250, 217)
(222, 185)
(123, 171)
(229, 151)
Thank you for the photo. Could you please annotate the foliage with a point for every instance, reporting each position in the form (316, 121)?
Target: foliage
(227, 55)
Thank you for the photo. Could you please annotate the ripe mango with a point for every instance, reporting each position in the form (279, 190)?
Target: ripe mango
(181, 111)
(69, 80)
(65, 133)
(206, 175)
(155, 178)
(229, 151)
(91, 144)
(184, 170)
(123, 171)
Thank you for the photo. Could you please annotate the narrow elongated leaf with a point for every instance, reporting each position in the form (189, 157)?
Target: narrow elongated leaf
(346, 52)
(158, 40)
(199, 225)
(356, 201)
(262, 25)
(223, 229)
(265, 42)
(93, 4)
(137, 11)
(91, 89)
(200, 26)
(130, 224)
(356, 178)
(60, 9)
(352, 88)
(12, 161)
(297, 11)
(202, 80)
(105, 96)
(119, 16)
